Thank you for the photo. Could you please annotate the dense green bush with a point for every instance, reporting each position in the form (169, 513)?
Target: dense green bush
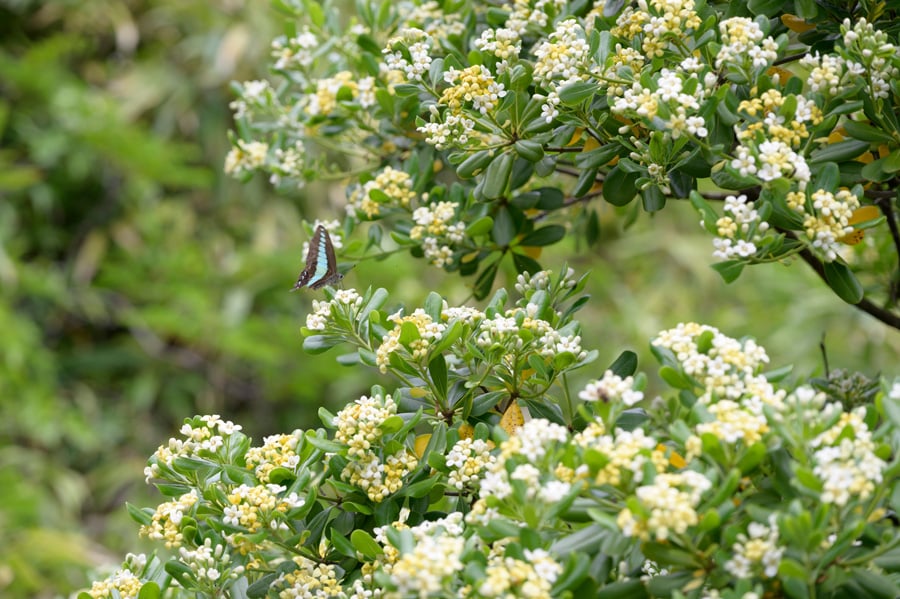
(502, 461)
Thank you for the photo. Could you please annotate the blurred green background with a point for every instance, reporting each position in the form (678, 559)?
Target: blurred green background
(139, 286)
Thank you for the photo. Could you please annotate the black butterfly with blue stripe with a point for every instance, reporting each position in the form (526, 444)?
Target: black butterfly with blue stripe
(321, 265)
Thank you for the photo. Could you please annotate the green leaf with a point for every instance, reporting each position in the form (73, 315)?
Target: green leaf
(418, 489)
(377, 300)
(729, 178)
(496, 176)
(708, 215)
(180, 572)
(586, 181)
(674, 378)
(585, 540)
(625, 365)
(874, 584)
(409, 332)
(474, 164)
(260, 587)
(843, 282)
(365, 544)
(891, 162)
(828, 177)
(317, 344)
(434, 305)
(485, 281)
(875, 171)
(529, 150)
(710, 521)
(504, 227)
(808, 479)
(670, 555)
(482, 226)
(889, 408)
(342, 544)
(149, 590)
(765, 7)
(406, 90)
(544, 236)
(143, 516)
(619, 187)
(653, 199)
(575, 93)
(448, 338)
(325, 445)
(839, 152)
(752, 457)
(806, 9)
(392, 424)
(576, 569)
(525, 263)
(868, 133)
(630, 589)
(437, 368)
(314, 12)
(597, 157)
(724, 490)
(729, 270)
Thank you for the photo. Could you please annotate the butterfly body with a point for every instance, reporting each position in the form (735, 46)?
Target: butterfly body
(321, 265)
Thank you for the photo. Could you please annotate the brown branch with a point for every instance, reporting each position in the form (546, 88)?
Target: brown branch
(567, 171)
(791, 58)
(570, 149)
(884, 204)
(877, 312)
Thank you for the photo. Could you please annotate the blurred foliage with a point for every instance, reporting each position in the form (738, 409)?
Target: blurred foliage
(138, 286)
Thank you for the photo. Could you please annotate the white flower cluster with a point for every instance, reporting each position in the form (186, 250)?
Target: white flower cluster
(416, 61)
(830, 220)
(433, 559)
(738, 229)
(670, 501)
(532, 442)
(436, 228)
(756, 552)
(846, 463)
(875, 52)
(466, 459)
(734, 395)
(507, 576)
(345, 300)
(209, 563)
(611, 388)
(627, 452)
(359, 428)
(428, 331)
(298, 51)
(209, 437)
(745, 44)
(394, 188)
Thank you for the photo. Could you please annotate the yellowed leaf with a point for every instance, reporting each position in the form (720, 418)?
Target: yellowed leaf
(420, 444)
(513, 419)
(795, 23)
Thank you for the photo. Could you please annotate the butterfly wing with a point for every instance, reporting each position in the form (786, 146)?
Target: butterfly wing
(311, 259)
(329, 274)
(321, 265)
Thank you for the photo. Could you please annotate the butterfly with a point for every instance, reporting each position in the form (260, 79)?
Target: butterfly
(321, 266)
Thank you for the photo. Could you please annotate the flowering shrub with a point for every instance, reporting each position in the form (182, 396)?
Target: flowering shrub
(475, 131)
(730, 484)
(466, 129)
